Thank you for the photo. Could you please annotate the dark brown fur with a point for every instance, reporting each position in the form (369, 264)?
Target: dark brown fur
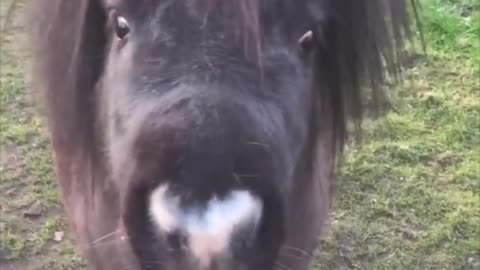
(354, 39)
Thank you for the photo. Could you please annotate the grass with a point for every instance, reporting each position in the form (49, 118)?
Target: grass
(407, 198)
(30, 211)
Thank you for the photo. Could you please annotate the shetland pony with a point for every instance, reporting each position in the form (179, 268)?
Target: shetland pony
(203, 134)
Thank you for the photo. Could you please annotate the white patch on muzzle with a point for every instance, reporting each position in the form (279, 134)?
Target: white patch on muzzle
(209, 229)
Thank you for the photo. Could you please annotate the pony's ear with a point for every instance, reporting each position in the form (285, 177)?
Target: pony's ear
(68, 47)
(357, 42)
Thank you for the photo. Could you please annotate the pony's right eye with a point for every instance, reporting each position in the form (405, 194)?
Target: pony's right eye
(122, 28)
(307, 41)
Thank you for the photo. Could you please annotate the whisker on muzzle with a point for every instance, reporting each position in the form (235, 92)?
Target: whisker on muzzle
(298, 250)
(106, 239)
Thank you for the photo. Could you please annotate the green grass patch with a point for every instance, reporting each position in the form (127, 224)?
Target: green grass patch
(453, 26)
(29, 206)
(409, 196)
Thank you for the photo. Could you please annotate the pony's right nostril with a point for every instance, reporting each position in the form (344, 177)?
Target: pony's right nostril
(177, 241)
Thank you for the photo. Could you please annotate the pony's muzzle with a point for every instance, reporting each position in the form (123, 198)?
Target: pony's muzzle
(216, 231)
(204, 197)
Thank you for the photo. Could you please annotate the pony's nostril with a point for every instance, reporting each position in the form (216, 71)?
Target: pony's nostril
(177, 241)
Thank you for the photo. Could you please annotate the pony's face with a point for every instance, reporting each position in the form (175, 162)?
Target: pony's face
(205, 125)
(202, 134)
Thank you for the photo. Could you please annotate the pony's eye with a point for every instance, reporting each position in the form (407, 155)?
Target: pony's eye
(307, 41)
(122, 29)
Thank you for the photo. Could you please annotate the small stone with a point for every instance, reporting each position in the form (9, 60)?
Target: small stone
(59, 236)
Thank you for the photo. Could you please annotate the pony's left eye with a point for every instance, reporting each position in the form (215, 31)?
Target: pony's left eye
(122, 29)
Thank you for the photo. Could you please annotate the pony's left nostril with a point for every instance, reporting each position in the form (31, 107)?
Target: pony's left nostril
(177, 241)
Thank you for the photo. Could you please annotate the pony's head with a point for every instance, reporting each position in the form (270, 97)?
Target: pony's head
(201, 134)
